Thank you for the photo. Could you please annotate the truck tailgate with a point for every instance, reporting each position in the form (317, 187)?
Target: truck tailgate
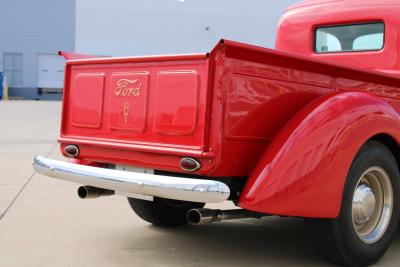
(146, 104)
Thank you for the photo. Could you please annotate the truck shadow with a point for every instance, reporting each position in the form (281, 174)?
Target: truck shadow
(266, 242)
(250, 242)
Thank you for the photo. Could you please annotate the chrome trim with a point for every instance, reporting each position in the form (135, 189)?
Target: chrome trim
(364, 204)
(372, 205)
(132, 195)
(187, 189)
(74, 148)
(87, 192)
(207, 216)
(198, 164)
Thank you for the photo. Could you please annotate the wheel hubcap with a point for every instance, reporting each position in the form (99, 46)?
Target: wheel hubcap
(364, 204)
(372, 205)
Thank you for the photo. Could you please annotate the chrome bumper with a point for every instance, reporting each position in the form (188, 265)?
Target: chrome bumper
(196, 190)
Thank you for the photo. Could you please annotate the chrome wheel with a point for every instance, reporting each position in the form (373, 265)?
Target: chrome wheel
(372, 205)
(370, 211)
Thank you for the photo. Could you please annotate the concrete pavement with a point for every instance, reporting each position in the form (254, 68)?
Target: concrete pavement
(44, 223)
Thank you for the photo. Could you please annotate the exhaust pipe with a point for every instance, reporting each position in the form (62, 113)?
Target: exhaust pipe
(207, 216)
(86, 192)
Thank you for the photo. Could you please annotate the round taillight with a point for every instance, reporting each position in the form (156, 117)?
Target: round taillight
(190, 165)
(71, 150)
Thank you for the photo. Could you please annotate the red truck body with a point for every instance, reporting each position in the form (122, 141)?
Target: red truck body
(154, 132)
(301, 20)
(287, 124)
(238, 99)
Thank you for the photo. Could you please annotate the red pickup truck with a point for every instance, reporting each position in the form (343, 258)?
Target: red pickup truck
(311, 129)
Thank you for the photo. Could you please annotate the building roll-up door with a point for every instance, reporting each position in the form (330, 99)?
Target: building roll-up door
(51, 72)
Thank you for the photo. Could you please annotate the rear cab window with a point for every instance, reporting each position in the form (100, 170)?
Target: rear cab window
(350, 38)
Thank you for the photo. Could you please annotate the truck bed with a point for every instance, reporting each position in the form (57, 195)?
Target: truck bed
(222, 108)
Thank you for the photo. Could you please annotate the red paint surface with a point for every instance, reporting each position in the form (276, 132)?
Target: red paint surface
(177, 102)
(150, 121)
(291, 123)
(128, 101)
(303, 171)
(296, 30)
(87, 92)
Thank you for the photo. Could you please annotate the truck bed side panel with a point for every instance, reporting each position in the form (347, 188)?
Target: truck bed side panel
(258, 90)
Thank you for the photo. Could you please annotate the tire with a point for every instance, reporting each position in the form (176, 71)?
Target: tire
(163, 212)
(364, 229)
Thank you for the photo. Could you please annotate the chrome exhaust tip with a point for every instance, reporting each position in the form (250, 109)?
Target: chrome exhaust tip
(202, 216)
(207, 216)
(87, 192)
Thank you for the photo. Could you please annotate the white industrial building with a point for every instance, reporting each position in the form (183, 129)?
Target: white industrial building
(28, 46)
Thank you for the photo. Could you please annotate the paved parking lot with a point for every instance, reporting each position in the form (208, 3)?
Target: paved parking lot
(44, 223)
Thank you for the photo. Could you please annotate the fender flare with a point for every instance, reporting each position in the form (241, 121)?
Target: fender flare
(303, 171)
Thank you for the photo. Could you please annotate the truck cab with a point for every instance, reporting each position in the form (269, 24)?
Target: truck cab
(310, 129)
(363, 35)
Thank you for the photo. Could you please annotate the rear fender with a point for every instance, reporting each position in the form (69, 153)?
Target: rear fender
(303, 171)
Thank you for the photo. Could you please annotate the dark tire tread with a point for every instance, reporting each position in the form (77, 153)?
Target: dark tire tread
(328, 241)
